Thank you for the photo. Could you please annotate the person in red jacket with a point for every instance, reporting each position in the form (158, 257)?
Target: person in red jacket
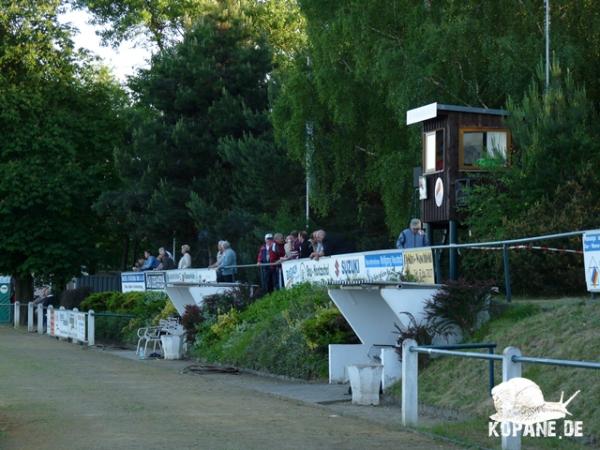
(270, 252)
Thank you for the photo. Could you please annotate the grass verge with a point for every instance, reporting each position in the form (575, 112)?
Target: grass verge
(561, 330)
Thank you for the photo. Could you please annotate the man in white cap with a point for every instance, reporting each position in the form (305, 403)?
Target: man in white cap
(412, 237)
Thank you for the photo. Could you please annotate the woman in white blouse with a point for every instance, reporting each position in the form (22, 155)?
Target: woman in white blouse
(186, 260)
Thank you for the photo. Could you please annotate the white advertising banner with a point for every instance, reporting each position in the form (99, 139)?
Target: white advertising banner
(155, 281)
(79, 329)
(62, 323)
(133, 282)
(376, 266)
(65, 323)
(191, 276)
(591, 260)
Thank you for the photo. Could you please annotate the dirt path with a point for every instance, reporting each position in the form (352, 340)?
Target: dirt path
(56, 395)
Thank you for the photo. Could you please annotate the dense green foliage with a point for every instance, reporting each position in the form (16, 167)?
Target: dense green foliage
(548, 188)
(285, 332)
(201, 160)
(243, 99)
(59, 122)
(132, 310)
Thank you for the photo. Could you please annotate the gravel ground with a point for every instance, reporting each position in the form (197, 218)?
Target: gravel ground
(57, 395)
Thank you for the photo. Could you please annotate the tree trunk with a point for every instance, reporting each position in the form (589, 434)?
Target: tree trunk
(125, 255)
(23, 293)
(23, 288)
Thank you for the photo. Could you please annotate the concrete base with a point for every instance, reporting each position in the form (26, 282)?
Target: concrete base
(172, 346)
(343, 355)
(365, 380)
(392, 367)
(373, 313)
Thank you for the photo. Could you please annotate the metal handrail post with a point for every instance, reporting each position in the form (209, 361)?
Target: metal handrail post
(491, 371)
(410, 383)
(511, 369)
(507, 287)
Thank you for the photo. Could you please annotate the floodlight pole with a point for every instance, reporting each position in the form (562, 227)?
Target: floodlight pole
(309, 148)
(547, 33)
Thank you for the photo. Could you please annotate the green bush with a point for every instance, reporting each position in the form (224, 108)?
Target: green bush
(145, 307)
(328, 326)
(278, 333)
(96, 301)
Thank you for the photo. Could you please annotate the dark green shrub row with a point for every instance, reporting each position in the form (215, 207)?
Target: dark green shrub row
(138, 309)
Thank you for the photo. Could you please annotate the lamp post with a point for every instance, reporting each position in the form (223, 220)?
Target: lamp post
(547, 35)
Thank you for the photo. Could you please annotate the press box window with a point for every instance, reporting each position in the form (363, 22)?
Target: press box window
(481, 143)
(434, 151)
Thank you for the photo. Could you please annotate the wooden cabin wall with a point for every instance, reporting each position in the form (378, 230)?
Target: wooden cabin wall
(451, 123)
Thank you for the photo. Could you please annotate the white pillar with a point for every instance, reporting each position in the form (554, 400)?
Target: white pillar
(410, 385)
(40, 318)
(511, 369)
(91, 328)
(30, 317)
(17, 314)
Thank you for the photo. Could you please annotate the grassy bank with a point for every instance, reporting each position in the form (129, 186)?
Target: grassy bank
(285, 333)
(566, 329)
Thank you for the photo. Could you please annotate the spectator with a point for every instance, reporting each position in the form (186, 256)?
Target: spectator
(165, 260)
(225, 272)
(150, 263)
(268, 254)
(412, 237)
(296, 246)
(280, 250)
(186, 260)
(138, 265)
(290, 251)
(318, 248)
(304, 247)
(219, 255)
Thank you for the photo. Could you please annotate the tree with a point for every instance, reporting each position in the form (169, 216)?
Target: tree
(59, 125)
(549, 186)
(201, 156)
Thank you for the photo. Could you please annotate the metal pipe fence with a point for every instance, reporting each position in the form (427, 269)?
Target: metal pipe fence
(511, 368)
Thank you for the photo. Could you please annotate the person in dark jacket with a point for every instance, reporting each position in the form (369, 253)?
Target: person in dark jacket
(165, 260)
(268, 254)
(305, 247)
(413, 236)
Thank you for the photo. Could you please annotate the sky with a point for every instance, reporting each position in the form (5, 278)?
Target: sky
(123, 60)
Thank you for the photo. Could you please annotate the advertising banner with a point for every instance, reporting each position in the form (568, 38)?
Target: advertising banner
(191, 276)
(377, 266)
(418, 265)
(63, 324)
(133, 282)
(591, 258)
(155, 281)
(79, 329)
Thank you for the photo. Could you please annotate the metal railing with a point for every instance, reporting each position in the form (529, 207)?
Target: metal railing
(511, 358)
(448, 351)
(505, 245)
